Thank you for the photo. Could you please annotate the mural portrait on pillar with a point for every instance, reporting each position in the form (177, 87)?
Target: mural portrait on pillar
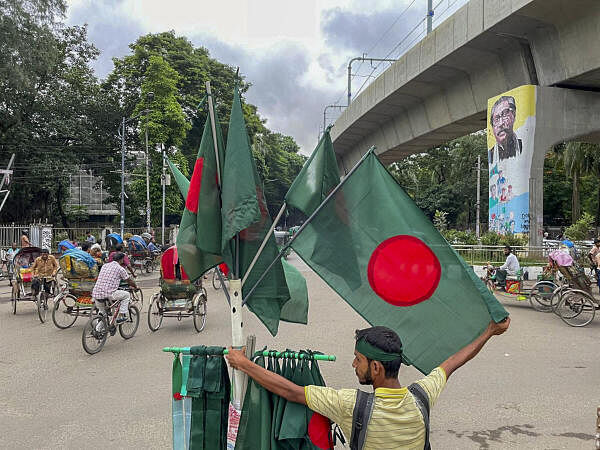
(510, 134)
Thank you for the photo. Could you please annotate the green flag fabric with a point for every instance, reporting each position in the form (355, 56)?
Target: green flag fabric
(318, 177)
(296, 308)
(408, 277)
(269, 422)
(199, 237)
(209, 387)
(244, 212)
(182, 182)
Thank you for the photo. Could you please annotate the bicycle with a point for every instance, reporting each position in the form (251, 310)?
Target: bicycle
(43, 295)
(99, 325)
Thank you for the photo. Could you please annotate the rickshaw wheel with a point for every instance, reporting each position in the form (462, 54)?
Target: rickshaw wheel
(155, 313)
(148, 266)
(65, 312)
(199, 311)
(15, 296)
(540, 296)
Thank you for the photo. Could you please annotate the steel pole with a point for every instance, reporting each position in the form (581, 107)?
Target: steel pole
(429, 16)
(147, 180)
(123, 179)
(164, 185)
(477, 224)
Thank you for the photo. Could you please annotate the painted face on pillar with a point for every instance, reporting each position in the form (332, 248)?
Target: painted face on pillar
(362, 368)
(503, 120)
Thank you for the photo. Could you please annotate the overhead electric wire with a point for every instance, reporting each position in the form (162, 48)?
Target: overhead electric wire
(376, 44)
(423, 20)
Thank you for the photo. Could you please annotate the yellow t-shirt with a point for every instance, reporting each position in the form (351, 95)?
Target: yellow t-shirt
(396, 421)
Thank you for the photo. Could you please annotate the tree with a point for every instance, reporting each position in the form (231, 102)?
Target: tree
(54, 115)
(445, 178)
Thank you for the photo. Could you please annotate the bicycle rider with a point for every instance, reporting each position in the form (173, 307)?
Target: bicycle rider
(44, 270)
(107, 286)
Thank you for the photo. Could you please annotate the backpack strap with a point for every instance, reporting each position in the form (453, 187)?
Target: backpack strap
(360, 418)
(422, 401)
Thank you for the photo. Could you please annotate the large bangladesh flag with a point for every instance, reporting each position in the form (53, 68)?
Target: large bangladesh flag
(199, 237)
(401, 272)
(244, 212)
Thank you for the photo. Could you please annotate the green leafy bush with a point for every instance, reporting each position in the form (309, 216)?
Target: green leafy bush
(490, 238)
(580, 229)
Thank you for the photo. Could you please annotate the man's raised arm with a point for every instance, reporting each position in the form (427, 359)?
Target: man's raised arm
(468, 352)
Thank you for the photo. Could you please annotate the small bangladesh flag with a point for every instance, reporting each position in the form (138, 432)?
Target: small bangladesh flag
(402, 273)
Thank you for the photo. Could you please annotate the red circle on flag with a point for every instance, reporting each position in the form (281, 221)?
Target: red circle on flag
(404, 271)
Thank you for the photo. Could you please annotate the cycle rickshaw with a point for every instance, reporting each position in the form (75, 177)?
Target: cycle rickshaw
(178, 297)
(139, 254)
(75, 299)
(22, 283)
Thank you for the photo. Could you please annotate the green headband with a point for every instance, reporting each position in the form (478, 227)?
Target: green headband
(374, 353)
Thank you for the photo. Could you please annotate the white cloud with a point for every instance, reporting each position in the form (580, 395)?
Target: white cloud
(294, 53)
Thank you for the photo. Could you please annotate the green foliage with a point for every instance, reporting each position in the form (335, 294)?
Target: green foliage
(460, 237)
(445, 178)
(55, 117)
(580, 229)
(163, 116)
(490, 238)
(440, 221)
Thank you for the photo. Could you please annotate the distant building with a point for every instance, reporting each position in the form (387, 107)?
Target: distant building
(88, 195)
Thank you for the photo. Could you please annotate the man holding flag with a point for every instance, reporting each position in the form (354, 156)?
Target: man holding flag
(396, 420)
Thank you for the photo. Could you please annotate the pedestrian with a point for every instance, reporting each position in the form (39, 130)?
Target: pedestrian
(25, 239)
(90, 237)
(396, 420)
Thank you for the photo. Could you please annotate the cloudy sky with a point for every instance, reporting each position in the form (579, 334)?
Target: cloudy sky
(295, 53)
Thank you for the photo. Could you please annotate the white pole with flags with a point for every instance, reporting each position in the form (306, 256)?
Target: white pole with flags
(235, 285)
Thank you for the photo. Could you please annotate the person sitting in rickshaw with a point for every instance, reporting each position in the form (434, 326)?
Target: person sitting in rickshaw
(509, 268)
(44, 267)
(96, 253)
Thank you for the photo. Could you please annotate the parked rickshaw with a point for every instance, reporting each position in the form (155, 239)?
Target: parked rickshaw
(23, 277)
(64, 246)
(112, 240)
(178, 297)
(140, 256)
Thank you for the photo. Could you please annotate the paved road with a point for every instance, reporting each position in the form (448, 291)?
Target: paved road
(536, 387)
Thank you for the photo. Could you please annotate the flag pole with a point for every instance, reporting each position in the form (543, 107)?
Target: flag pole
(264, 242)
(235, 287)
(304, 225)
(214, 132)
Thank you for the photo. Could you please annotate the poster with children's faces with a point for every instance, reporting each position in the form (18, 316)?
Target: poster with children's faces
(510, 135)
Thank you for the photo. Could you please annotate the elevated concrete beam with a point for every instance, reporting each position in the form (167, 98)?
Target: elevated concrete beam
(486, 47)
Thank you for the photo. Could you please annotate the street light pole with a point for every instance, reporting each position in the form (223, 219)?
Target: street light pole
(164, 185)
(149, 97)
(123, 178)
(147, 180)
